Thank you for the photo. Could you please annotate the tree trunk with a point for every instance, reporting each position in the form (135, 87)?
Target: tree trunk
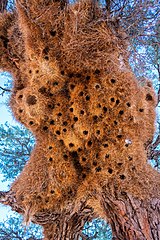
(68, 226)
(131, 218)
(3, 5)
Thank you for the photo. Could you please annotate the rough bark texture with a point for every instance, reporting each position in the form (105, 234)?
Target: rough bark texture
(68, 226)
(131, 218)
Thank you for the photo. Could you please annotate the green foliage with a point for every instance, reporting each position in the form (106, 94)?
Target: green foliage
(13, 229)
(16, 144)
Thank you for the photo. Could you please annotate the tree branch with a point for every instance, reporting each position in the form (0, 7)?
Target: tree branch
(3, 5)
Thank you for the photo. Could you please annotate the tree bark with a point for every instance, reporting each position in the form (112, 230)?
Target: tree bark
(131, 218)
(3, 5)
(68, 225)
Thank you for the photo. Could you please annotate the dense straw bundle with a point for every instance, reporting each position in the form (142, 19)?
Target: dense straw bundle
(74, 89)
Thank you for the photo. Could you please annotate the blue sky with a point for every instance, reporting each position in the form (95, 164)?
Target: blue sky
(5, 115)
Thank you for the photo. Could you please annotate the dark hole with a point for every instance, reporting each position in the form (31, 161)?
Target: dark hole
(94, 163)
(121, 112)
(50, 147)
(71, 145)
(113, 81)
(84, 159)
(85, 132)
(20, 110)
(128, 104)
(88, 77)
(126, 145)
(58, 104)
(53, 33)
(84, 175)
(110, 170)
(65, 123)
(31, 123)
(72, 86)
(52, 192)
(133, 168)
(149, 97)
(117, 101)
(130, 158)
(65, 156)
(42, 90)
(20, 87)
(20, 96)
(45, 128)
(119, 136)
(81, 94)
(98, 132)
(82, 112)
(131, 118)
(59, 114)
(97, 155)
(75, 119)
(105, 145)
(104, 109)
(51, 94)
(70, 192)
(31, 100)
(51, 105)
(64, 130)
(62, 72)
(78, 75)
(46, 50)
(79, 149)
(5, 40)
(122, 177)
(97, 86)
(95, 118)
(97, 71)
(55, 83)
(99, 105)
(30, 71)
(107, 156)
(37, 71)
(71, 109)
(87, 98)
(119, 164)
(39, 197)
(46, 58)
(90, 143)
(112, 99)
(61, 141)
(98, 169)
(141, 110)
(115, 122)
(70, 75)
(52, 122)
(50, 159)
(58, 132)
(74, 154)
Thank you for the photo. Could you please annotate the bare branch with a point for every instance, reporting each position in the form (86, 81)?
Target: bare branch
(3, 5)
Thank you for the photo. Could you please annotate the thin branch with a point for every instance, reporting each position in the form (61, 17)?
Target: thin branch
(4, 90)
(3, 5)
